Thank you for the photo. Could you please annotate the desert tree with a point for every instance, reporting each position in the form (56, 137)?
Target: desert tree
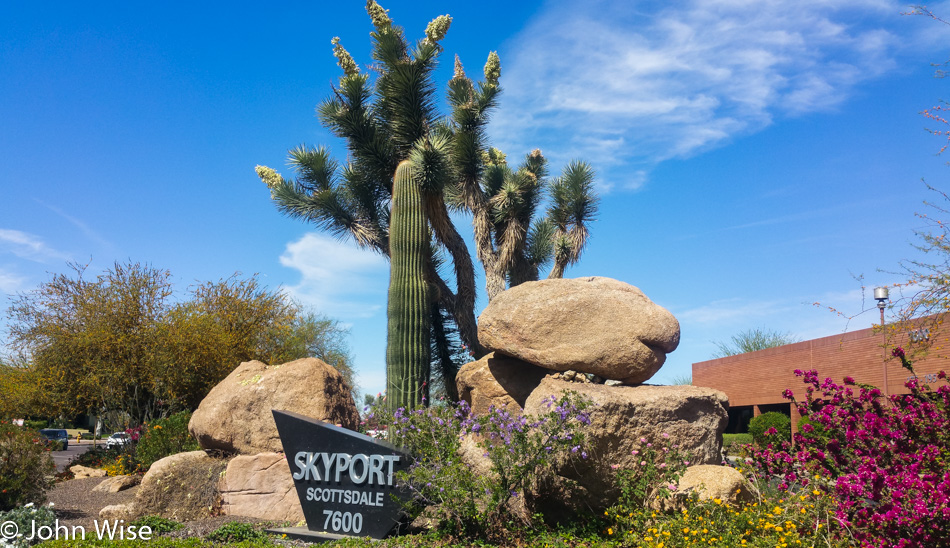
(389, 116)
(122, 342)
(751, 340)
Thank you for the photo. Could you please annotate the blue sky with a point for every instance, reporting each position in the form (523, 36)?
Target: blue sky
(752, 157)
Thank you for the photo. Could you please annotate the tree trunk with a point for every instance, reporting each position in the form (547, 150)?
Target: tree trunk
(463, 305)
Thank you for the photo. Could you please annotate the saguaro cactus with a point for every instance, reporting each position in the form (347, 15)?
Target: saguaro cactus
(407, 343)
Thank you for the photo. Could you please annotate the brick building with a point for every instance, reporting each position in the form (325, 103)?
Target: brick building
(754, 382)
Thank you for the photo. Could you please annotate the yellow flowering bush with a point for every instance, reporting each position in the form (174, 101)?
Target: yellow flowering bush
(777, 519)
(123, 465)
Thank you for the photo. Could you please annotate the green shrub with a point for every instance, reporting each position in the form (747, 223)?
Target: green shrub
(35, 425)
(646, 485)
(24, 464)
(732, 443)
(25, 519)
(235, 531)
(157, 524)
(761, 428)
(523, 454)
(96, 457)
(164, 437)
(154, 542)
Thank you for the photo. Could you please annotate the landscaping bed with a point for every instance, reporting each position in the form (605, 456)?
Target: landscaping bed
(76, 505)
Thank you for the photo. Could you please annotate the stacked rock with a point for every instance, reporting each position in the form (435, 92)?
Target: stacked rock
(241, 464)
(603, 339)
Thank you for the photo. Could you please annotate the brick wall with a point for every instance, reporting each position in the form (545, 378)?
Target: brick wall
(758, 378)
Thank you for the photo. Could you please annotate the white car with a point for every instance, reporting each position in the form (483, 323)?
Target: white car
(119, 439)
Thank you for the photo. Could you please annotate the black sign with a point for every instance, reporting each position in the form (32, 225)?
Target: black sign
(346, 481)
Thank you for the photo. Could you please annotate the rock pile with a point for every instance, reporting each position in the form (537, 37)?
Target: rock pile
(596, 336)
(601, 338)
(247, 476)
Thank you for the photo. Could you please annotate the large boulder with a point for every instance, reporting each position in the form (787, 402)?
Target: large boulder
(693, 418)
(591, 325)
(235, 417)
(183, 487)
(260, 486)
(499, 381)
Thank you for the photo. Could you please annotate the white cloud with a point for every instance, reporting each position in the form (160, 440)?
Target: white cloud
(10, 282)
(632, 84)
(337, 279)
(87, 231)
(28, 246)
(731, 310)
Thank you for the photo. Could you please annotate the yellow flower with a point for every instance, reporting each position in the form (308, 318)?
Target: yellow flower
(610, 531)
(717, 501)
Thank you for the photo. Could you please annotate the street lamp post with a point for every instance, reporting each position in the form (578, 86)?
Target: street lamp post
(880, 295)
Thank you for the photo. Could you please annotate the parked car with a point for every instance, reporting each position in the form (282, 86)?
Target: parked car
(57, 436)
(117, 440)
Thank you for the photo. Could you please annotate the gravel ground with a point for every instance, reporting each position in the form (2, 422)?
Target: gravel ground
(76, 504)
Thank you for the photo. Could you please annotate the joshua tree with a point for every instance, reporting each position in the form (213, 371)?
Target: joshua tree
(392, 119)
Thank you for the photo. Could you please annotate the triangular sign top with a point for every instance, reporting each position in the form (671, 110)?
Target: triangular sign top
(345, 480)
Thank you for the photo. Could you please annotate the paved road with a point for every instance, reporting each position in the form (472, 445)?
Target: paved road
(76, 448)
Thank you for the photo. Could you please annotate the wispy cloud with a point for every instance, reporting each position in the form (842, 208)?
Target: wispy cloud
(803, 316)
(337, 279)
(732, 310)
(10, 282)
(634, 83)
(28, 246)
(83, 227)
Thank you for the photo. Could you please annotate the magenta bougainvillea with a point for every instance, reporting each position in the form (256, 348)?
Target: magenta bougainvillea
(885, 459)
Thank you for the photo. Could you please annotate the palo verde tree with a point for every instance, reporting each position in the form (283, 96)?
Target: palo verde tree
(391, 118)
(751, 340)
